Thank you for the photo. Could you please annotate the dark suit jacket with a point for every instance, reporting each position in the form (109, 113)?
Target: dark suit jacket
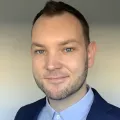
(100, 110)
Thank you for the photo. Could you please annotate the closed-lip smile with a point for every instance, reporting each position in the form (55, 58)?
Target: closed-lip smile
(57, 79)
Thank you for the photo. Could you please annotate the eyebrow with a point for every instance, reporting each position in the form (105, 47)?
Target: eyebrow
(62, 43)
(68, 41)
(37, 44)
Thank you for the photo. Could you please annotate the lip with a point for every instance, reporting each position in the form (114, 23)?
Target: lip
(57, 79)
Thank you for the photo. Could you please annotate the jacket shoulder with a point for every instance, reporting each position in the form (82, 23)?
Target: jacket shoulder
(30, 110)
(114, 111)
(103, 110)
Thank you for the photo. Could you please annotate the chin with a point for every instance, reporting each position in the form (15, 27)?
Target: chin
(55, 95)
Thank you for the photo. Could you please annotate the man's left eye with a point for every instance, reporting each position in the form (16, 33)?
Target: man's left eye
(68, 49)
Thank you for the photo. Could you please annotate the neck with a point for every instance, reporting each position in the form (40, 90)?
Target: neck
(60, 105)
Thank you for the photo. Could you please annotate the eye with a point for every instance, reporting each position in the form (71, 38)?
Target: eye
(68, 49)
(40, 51)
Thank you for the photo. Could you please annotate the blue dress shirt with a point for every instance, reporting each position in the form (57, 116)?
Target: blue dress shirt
(77, 111)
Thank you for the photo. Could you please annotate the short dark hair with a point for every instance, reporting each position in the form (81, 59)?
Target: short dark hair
(56, 8)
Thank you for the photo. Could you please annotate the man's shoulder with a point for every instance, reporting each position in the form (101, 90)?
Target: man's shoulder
(35, 104)
(114, 111)
(30, 110)
(102, 109)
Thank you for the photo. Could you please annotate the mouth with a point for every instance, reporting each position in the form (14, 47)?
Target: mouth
(57, 79)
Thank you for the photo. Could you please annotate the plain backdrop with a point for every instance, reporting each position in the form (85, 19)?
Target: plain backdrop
(17, 86)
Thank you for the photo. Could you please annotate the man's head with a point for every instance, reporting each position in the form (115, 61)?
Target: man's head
(61, 50)
(53, 8)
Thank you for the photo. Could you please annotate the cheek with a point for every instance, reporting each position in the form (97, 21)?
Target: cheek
(37, 64)
(75, 64)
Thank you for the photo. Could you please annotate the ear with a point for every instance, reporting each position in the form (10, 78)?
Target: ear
(91, 53)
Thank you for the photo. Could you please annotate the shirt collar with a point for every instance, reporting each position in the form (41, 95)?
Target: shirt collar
(79, 109)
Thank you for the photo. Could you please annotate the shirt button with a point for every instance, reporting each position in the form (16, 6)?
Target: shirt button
(57, 117)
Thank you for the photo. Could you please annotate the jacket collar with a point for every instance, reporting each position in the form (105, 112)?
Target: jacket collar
(99, 108)
(41, 104)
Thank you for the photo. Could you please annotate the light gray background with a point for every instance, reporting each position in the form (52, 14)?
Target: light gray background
(17, 86)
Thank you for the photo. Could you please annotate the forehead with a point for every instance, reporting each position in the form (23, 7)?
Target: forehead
(58, 27)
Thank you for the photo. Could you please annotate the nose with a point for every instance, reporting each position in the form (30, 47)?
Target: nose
(53, 62)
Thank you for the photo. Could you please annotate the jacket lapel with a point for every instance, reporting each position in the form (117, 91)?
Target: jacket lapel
(40, 105)
(99, 108)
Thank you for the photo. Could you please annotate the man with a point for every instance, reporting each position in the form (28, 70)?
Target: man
(61, 55)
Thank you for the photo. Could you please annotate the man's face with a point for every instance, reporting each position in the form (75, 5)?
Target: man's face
(59, 55)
